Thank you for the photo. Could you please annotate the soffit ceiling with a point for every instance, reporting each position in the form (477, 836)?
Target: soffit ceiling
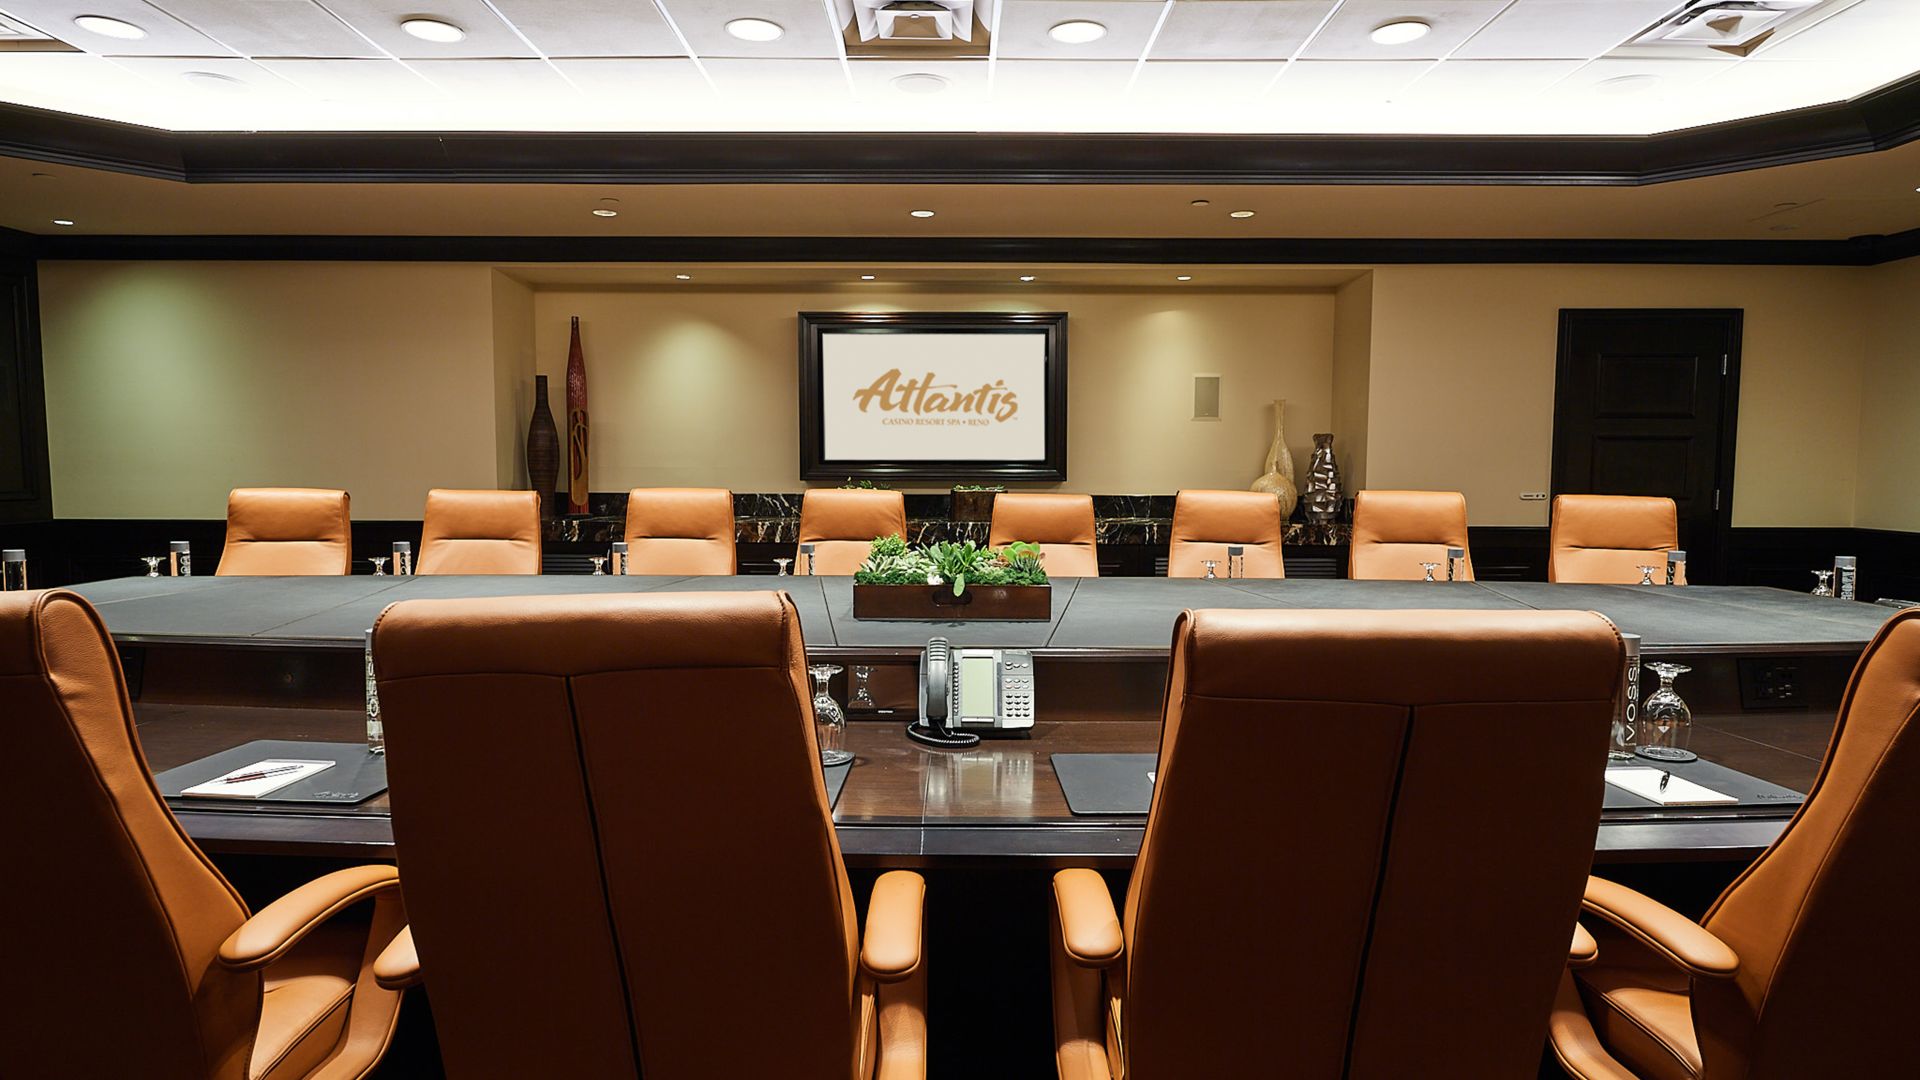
(1833, 199)
(1545, 67)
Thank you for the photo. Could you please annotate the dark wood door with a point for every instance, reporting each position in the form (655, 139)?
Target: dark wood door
(1644, 404)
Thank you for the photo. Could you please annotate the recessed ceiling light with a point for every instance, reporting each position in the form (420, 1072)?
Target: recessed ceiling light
(213, 80)
(1240, 213)
(866, 277)
(755, 29)
(1183, 277)
(1399, 32)
(1201, 202)
(920, 213)
(105, 27)
(437, 31)
(919, 82)
(1626, 84)
(1077, 32)
(683, 277)
(1026, 277)
(603, 211)
(62, 221)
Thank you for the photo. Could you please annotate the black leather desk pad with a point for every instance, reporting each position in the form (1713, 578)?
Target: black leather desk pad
(356, 775)
(1109, 784)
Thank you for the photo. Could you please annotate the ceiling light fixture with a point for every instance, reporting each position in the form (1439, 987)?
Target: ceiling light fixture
(1077, 32)
(920, 213)
(866, 277)
(1626, 84)
(919, 82)
(1400, 32)
(1183, 277)
(755, 29)
(604, 211)
(1201, 202)
(213, 80)
(683, 277)
(437, 31)
(62, 221)
(1026, 277)
(1240, 214)
(105, 27)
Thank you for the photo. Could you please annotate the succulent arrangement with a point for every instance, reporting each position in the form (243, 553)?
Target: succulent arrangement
(892, 561)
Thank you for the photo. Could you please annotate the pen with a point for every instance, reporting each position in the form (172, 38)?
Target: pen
(1664, 777)
(261, 774)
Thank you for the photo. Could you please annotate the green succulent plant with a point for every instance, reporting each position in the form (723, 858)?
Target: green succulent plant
(956, 563)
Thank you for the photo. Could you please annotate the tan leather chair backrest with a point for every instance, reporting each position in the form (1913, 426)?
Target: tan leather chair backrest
(290, 532)
(1395, 531)
(1061, 524)
(1303, 893)
(113, 916)
(841, 524)
(617, 843)
(1205, 522)
(480, 532)
(680, 531)
(1817, 919)
(1605, 539)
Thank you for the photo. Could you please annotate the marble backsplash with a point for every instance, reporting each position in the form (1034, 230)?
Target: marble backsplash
(774, 518)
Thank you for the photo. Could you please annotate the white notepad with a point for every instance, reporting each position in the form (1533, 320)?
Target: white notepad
(1646, 784)
(284, 771)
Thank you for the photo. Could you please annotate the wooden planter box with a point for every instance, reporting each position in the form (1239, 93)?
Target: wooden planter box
(936, 603)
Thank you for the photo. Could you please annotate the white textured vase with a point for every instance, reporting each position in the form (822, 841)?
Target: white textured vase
(1278, 479)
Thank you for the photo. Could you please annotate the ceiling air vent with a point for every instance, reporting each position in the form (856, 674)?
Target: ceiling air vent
(945, 28)
(1735, 26)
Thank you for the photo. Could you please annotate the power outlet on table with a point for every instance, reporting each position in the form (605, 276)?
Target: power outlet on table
(1771, 684)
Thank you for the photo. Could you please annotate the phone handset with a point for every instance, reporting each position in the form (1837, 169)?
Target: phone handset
(936, 695)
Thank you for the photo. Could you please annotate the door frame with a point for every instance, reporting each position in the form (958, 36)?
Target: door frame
(1728, 405)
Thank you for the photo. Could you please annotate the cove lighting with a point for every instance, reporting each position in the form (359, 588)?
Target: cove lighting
(434, 30)
(1400, 32)
(755, 29)
(62, 221)
(1240, 214)
(602, 211)
(1077, 32)
(920, 213)
(105, 27)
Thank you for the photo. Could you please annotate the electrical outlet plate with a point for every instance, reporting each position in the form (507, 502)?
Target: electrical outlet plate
(1533, 496)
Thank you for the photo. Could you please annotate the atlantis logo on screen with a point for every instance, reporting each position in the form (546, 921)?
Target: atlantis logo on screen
(928, 402)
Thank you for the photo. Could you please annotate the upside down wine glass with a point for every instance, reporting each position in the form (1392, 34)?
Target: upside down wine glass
(829, 722)
(1666, 723)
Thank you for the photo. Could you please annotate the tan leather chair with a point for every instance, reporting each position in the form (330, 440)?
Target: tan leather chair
(1606, 539)
(1205, 522)
(1395, 531)
(1061, 524)
(128, 954)
(680, 531)
(1797, 970)
(480, 532)
(640, 912)
(1358, 935)
(841, 524)
(286, 532)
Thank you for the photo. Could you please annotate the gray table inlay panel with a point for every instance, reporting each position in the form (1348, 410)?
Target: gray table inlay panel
(1708, 615)
(240, 607)
(1379, 595)
(120, 590)
(348, 621)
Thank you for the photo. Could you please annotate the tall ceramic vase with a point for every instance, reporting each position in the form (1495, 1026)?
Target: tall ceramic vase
(576, 424)
(1278, 479)
(543, 448)
(1323, 481)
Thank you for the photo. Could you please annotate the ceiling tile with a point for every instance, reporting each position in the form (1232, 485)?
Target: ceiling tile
(1238, 29)
(1024, 26)
(356, 80)
(1347, 35)
(1563, 29)
(808, 33)
(380, 20)
(1492, 84)
(1870, 28)
(78, 83)
(661, 79)
(237, 79)
(1210, 83)
(874, 81)
(497, 80)
(272, 27)
(1372, 82)
(593, 27)
(166, 36)
(780, 84)
(1037, 84)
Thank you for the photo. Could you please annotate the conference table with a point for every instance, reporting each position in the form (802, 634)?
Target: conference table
(213, 663)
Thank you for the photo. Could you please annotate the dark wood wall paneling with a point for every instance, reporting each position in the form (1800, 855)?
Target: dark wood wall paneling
(25, 493)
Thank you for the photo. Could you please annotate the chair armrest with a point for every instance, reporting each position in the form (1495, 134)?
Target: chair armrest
(398, 965)
(890, 948)
(279, 926)
(1584, 950)
(1089, 927)
(1679, 940)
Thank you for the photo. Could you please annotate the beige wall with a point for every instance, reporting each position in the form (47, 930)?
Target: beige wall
(169, 383)
(1461, 387)
(1888, 496)
(695, 386)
